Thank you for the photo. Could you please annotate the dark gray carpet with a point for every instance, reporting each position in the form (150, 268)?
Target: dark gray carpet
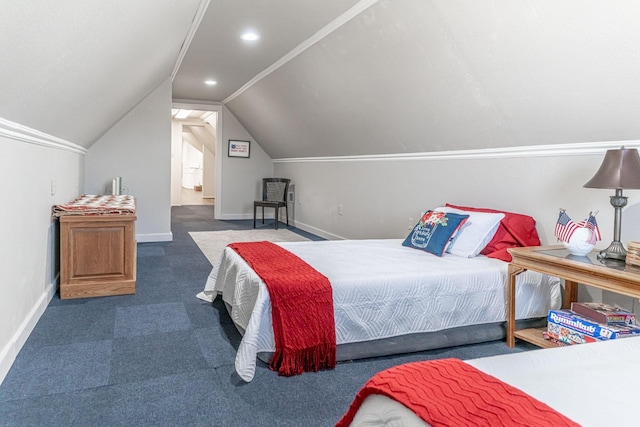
(163, 357)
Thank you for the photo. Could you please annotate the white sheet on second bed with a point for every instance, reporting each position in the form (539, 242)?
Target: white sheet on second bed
(381, 289)
(593, 384)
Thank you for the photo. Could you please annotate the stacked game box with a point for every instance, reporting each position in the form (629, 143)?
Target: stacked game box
(563, 335)
(569, 327)
(604, 313)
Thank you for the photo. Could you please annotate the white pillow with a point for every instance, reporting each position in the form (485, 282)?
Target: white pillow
(475, 234)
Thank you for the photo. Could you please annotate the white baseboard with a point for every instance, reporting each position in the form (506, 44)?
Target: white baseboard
(10, 351)
(231, 217)
(316, 231)
(154, 237)
(292, 222)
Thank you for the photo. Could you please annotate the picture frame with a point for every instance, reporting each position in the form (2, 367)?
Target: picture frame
(239, 148)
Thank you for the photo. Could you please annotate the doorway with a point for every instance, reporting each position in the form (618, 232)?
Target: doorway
(194, 136)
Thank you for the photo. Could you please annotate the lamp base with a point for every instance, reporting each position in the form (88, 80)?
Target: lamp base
(615, 251)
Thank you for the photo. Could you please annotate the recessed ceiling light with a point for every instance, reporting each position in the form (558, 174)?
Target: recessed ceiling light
(210, 82)
(250, 36)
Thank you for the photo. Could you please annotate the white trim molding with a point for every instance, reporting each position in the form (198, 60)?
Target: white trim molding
(318, 231)
(9, 353)
(154, 237)
(232, 217)
(577, 149)
(317, 37)
(22, 133)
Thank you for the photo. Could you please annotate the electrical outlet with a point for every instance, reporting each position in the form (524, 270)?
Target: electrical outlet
(410, 224)
(340, 210)
(53, 186)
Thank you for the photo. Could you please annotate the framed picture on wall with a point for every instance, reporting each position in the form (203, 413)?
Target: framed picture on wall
(239, 148)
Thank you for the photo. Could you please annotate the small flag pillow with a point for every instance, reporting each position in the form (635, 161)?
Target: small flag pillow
(434, 231)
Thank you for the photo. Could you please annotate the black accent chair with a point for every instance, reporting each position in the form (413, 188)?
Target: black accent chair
(274, 195)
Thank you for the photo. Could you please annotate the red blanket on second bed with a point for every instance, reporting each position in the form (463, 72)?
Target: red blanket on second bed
(301, 308)
(449, 392)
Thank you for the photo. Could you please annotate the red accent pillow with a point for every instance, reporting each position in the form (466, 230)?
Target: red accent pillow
(515, 230)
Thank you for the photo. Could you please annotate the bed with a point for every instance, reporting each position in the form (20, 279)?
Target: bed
(443, 285)
(591, 384)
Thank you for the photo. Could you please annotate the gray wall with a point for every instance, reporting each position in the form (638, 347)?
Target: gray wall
(378, 195)
(28, 254)
(240, 178)
(138, 149)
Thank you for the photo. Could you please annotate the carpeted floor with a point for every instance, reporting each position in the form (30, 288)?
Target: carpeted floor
(164, 357)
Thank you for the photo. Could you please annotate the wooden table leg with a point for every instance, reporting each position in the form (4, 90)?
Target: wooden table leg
(570, 293)
(511, 304)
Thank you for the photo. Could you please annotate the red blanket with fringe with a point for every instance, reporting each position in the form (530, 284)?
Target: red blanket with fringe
(301, 308)
(449, 392)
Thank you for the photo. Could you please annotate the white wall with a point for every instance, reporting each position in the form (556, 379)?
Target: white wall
(241, 177)
(28, 254)
(176, 163)
(191, 165)
(378, 195)
(138, 148)
(209, 174)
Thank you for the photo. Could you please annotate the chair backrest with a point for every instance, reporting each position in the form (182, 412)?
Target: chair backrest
(275, 189)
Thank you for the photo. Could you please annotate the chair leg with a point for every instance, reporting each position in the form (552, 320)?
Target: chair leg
(263, 214)
(254, 215)
(286, 210)
(277, 216)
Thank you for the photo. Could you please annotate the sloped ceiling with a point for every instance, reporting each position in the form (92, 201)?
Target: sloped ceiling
(205, 134)
(72, 69)
(399, 76)
(217, 52)
(429, 75)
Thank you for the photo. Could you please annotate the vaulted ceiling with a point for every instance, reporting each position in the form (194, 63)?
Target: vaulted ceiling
(72, 69)
(334, 77)
(409, 76)
(218, 53)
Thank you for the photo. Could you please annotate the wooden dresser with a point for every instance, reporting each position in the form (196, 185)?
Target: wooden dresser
(97, 254)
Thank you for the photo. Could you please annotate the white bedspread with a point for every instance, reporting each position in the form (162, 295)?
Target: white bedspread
(381, 289)
(593, 384)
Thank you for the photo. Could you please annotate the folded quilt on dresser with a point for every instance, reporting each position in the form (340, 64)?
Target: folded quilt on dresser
(97, 205)
(450, 392)
(301, 308)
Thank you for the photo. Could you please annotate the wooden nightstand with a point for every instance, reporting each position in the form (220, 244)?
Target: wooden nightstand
(610, 275)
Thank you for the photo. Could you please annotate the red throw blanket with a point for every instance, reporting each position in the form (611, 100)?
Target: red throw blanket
(449, 392)
(301, 308)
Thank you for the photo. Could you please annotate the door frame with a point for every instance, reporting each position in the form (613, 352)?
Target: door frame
(176, 157)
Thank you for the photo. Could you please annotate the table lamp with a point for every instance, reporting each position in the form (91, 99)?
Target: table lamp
(619, 170)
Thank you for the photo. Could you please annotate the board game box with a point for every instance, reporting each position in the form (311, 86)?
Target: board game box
(604, 313)
(589, 327)
(563, 335)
